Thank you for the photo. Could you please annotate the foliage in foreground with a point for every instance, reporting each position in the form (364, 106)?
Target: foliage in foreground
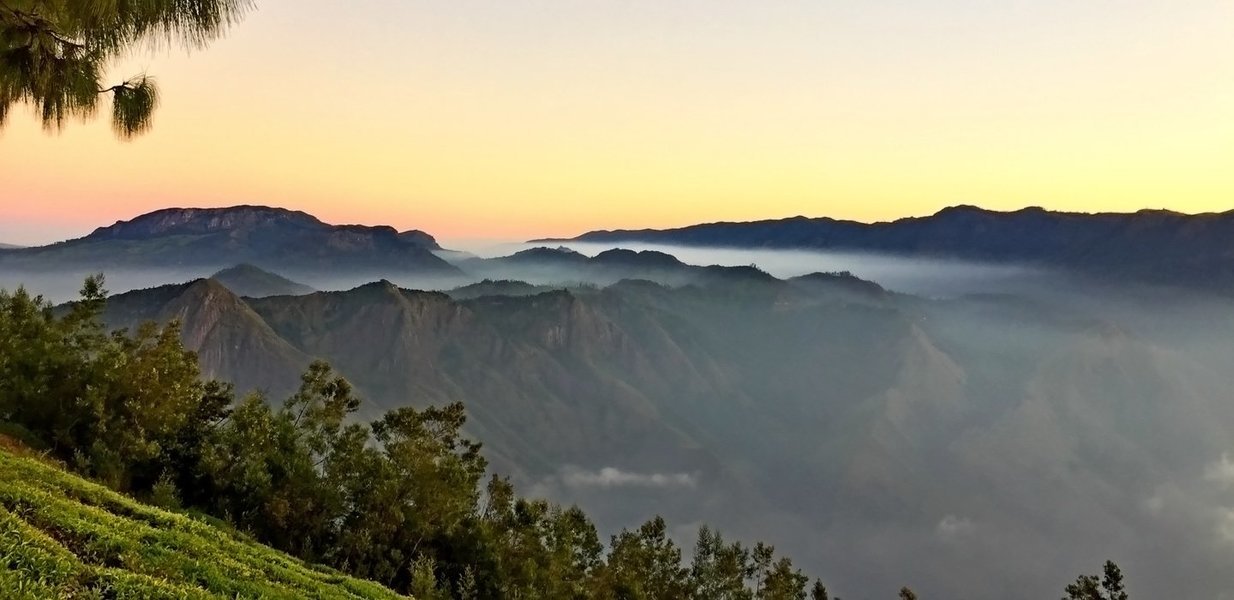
(400, 501)
(63, 537)
(1107, 586)
(54, 53)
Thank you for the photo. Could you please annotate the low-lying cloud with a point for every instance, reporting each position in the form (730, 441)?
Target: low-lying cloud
(611, 477)
(926, 276)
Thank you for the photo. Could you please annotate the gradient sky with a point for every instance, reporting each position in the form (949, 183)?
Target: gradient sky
(523, 118)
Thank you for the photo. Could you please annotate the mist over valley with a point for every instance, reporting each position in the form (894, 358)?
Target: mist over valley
(969, 429)
(608, 300)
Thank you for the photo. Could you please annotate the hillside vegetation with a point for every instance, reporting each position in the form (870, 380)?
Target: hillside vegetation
(64, 537)
(400, 500)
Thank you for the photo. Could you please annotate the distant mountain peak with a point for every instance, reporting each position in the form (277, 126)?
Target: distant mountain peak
(243, 219)
(289, 241)
(543, 252)
(379, 288)
(171, 221)
(205, 288)
(246, 279)
(840, 280)
(961, 209)
(1153, 246)
(646, 259)
(421, 238)
(969, 210)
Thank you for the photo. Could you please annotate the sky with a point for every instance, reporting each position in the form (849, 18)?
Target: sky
(531, 118)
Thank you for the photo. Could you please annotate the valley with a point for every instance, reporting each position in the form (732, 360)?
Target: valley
(1001, 437)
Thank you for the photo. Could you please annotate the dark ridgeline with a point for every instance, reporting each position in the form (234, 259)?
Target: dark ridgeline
(562, 265)
(286, 241)
(1149, 245)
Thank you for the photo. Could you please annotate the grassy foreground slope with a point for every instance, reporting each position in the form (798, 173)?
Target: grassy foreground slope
(64, 537)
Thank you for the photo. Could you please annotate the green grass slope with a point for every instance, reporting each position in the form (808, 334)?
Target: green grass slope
(64, 537)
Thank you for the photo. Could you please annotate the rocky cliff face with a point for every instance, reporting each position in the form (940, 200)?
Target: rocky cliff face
(232, 342)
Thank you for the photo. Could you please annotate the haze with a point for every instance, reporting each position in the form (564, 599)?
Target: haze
(925, 276)
(1003, 439)
(991, 425)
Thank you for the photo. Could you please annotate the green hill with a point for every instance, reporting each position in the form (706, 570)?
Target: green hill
(64, 537)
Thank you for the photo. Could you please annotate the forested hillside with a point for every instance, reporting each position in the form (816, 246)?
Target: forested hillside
(401, 500)
(889, 395)
(813, 412)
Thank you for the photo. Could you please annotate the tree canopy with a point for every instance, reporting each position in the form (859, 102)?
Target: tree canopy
(1107, 586)
(401, 500)
(54, 53)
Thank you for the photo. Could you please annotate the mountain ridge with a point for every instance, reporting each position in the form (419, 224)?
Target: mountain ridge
(818, 403)
(1157, 246)
(170, 220)
(945, 211)
(293, 242)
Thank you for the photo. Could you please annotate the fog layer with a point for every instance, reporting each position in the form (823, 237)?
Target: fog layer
(930, 277)
(991, 432)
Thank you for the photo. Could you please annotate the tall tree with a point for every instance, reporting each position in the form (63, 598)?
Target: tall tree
(783, 582)
(53, 53)
(398, 502)
(1107, 586)
(645, 565)
(719, 570)
(819, 591)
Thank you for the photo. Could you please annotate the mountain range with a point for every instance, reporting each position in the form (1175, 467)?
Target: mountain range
(211, 238)
(1002, 439)
(1157, 247)
(1150, 245)
(865, 431)
(542, 264)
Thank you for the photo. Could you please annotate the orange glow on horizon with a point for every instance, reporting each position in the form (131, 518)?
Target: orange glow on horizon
(518, 123)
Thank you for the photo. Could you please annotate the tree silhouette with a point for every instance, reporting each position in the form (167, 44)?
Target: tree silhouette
(53, 53)
(1108, 586)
